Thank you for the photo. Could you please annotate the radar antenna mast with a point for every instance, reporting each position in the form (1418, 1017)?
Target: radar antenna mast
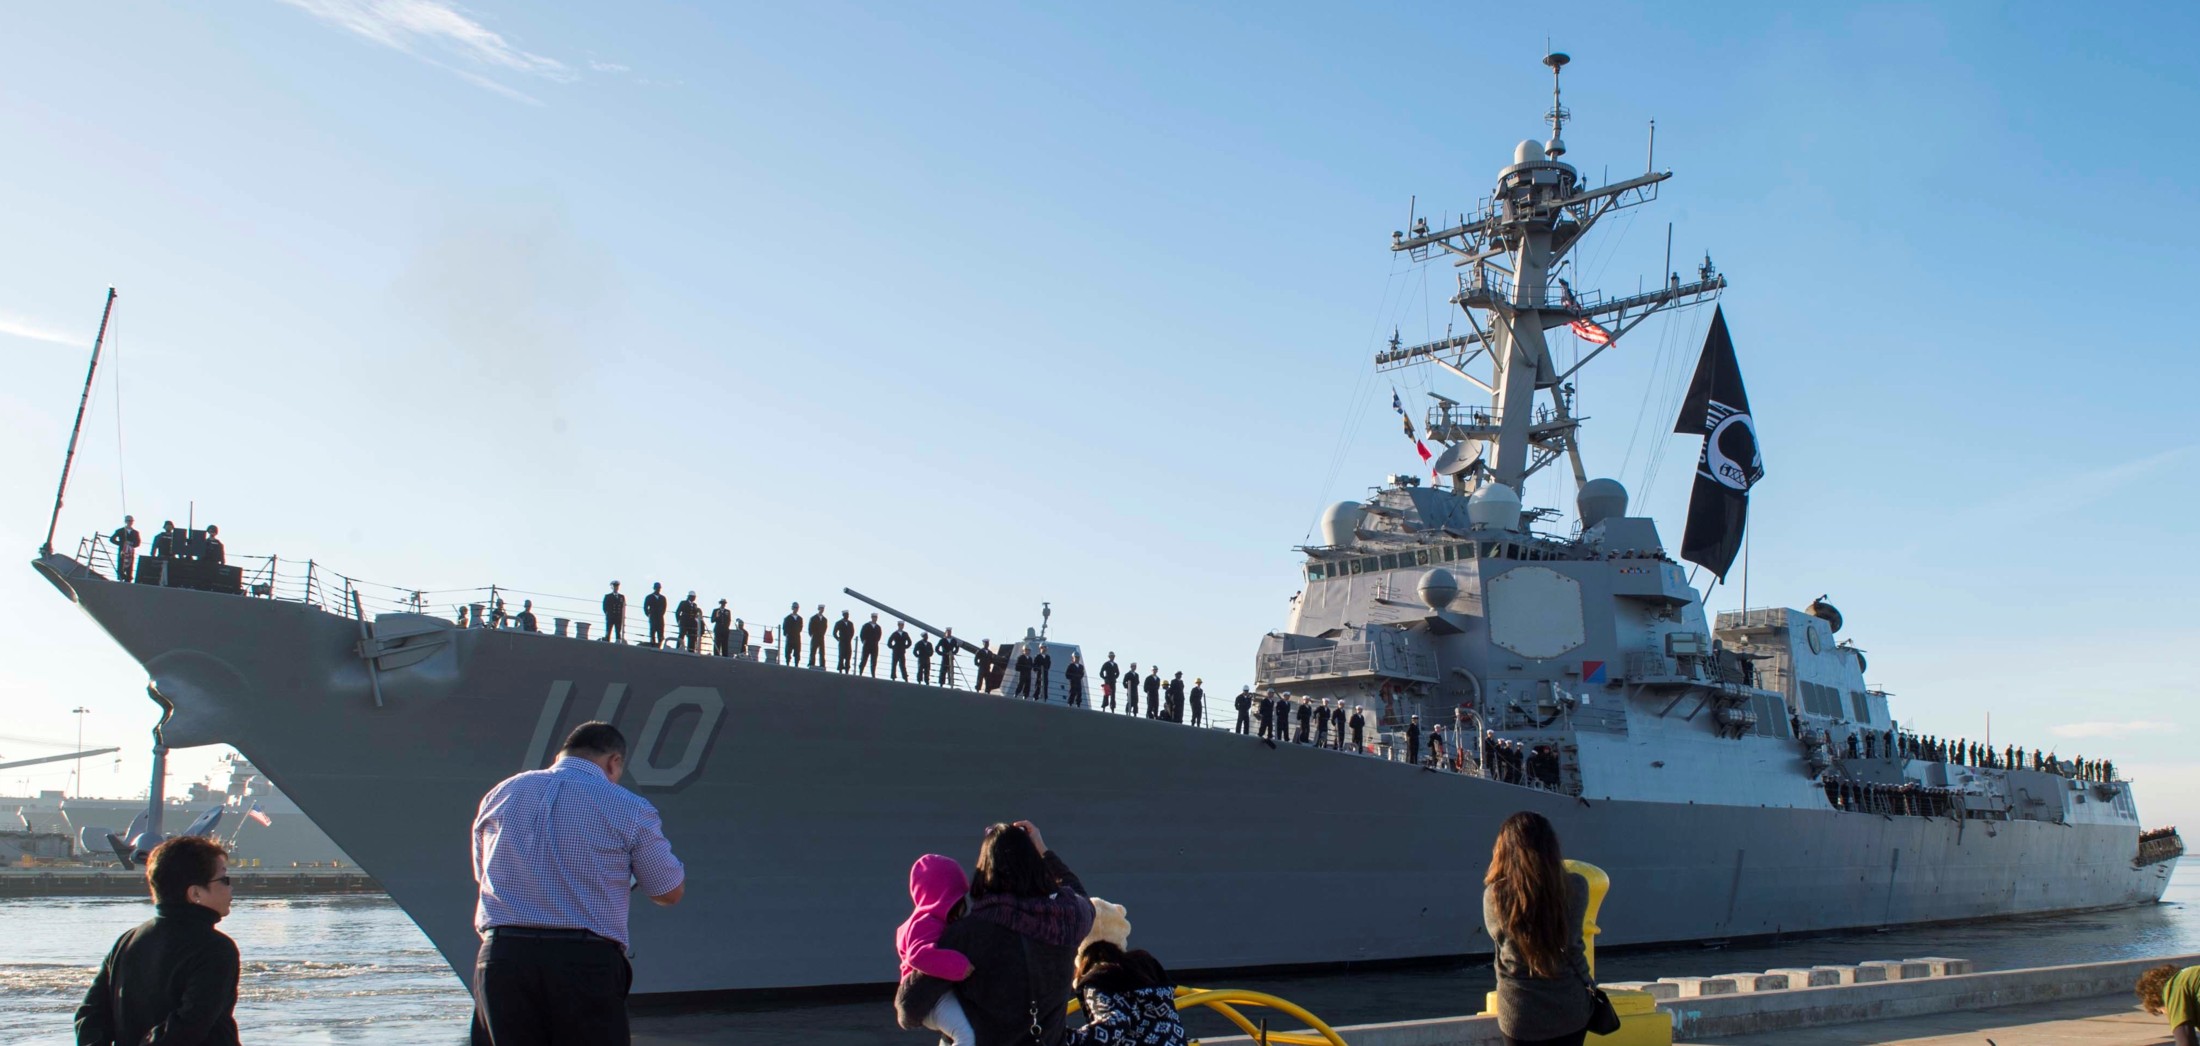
(1508, 252)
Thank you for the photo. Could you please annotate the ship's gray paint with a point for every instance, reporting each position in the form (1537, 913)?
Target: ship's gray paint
(816, 790)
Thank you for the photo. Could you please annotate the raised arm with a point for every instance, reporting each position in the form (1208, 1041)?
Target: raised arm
(656, 870)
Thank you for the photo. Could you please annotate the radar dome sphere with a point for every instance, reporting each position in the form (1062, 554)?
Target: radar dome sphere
(1528, 151)
(1599, 500)
(1495, 505)
(1438, 588)
(1339, 521)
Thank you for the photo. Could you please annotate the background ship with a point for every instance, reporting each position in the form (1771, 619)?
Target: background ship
(1706, 764)
(289, 838)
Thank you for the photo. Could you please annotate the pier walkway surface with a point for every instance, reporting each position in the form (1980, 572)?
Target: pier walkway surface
(2108, 1020)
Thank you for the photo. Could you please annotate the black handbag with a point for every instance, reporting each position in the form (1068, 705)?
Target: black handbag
(1603, 1019)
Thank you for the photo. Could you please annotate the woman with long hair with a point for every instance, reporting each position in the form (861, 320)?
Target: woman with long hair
(1027, 915)
(1533, 908)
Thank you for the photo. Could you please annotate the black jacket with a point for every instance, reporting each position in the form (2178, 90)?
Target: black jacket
(898, 642)
(653, 606)
(843, 631)
(172, 981)
(1110, 672)
(870, 634)
(792, 626)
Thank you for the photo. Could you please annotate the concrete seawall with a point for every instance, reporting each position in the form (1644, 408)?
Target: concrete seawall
(1763, 1011)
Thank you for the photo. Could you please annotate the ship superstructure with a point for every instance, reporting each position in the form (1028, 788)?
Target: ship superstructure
(1737, 776)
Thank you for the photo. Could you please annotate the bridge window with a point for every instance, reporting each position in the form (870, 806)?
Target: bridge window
(1390, 561)
(1863, 710)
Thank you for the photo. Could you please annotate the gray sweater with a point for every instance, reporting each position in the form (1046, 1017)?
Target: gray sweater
(1531, 1007)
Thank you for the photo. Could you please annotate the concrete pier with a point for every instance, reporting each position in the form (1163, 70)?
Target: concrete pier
(1917, 1002)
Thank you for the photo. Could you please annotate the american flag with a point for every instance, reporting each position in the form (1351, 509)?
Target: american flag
(259, 815)
(1586, 329)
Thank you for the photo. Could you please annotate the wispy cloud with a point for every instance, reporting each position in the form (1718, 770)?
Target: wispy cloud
(16, 326)
(2106, 728)
(443, 34)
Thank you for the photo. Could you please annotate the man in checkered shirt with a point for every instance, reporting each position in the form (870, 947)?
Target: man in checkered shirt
(554, 851)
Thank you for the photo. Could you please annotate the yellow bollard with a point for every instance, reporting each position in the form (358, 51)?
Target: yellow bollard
(1641, 1023)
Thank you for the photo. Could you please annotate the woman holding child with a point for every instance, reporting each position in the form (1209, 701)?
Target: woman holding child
(1026, 915)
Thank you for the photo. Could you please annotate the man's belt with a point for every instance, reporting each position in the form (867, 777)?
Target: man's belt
(545, 933)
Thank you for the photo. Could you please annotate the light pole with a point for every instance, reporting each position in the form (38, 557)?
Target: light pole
(80, 712)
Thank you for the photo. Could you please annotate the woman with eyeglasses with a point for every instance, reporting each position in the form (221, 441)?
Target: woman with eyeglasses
(174, 978)
(1028, 912)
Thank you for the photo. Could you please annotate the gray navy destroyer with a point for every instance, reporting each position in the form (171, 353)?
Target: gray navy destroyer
(1733, 774)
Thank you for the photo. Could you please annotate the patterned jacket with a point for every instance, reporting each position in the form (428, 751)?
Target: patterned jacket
(1128, 1004)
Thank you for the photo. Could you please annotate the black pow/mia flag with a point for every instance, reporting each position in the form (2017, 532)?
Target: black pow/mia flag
(1718, 410)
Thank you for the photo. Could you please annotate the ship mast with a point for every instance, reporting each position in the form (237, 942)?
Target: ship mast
(1509, 251)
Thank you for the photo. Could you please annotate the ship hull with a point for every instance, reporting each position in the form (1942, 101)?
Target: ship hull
(797, 800)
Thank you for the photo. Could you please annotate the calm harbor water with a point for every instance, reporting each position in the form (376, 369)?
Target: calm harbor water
(354, 969)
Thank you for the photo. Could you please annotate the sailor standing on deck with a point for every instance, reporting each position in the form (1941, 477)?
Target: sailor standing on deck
(818, 624)
(1245, 710)
(924, 659)
(691, 624)
(1321, 724)
(1130, 690)
(898, 644)
(868, 638)
(614, 615)
(164, 543)
(1176, 698)
(1199, 703)
(740, 638)
(1023, 673)
(1153, 694)
(721, 630)
(1359, 720)
(1306, 720)
(525, 622)
(1109, 673)
(1413, 741)
(948, 650)
(1042, 666)
(125, 539)
(844, 637)
(653, 608)
(1073, 676)
(1267, 715)
(553, 853)
(790, 634)
(210, 547)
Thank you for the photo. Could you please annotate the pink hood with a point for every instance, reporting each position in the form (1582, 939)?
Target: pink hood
(936, 884)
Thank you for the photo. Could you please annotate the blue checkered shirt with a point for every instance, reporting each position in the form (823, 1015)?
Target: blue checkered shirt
(555, 848)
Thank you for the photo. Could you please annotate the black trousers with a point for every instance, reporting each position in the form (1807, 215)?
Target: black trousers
(924, 670)
(656, 631)
(614, 629)
(868, 662)
(899, 668)
(531, 991)
(1564, 1040)
(817, 651)
(1245, 720)
(794, 650)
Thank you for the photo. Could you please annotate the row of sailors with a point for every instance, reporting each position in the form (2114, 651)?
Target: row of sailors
(1909, 799)
(1964, 752)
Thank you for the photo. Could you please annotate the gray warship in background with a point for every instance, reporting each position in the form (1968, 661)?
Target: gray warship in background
(1706, 764)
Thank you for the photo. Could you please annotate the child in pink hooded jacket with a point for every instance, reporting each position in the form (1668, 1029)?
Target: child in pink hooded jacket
(939, 890)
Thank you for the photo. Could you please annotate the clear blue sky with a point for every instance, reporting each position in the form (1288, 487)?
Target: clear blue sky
(979, 306)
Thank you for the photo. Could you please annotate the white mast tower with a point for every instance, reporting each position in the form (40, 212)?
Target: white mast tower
(1509, 250)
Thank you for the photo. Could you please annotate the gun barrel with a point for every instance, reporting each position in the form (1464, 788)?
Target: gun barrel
(921, 626)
